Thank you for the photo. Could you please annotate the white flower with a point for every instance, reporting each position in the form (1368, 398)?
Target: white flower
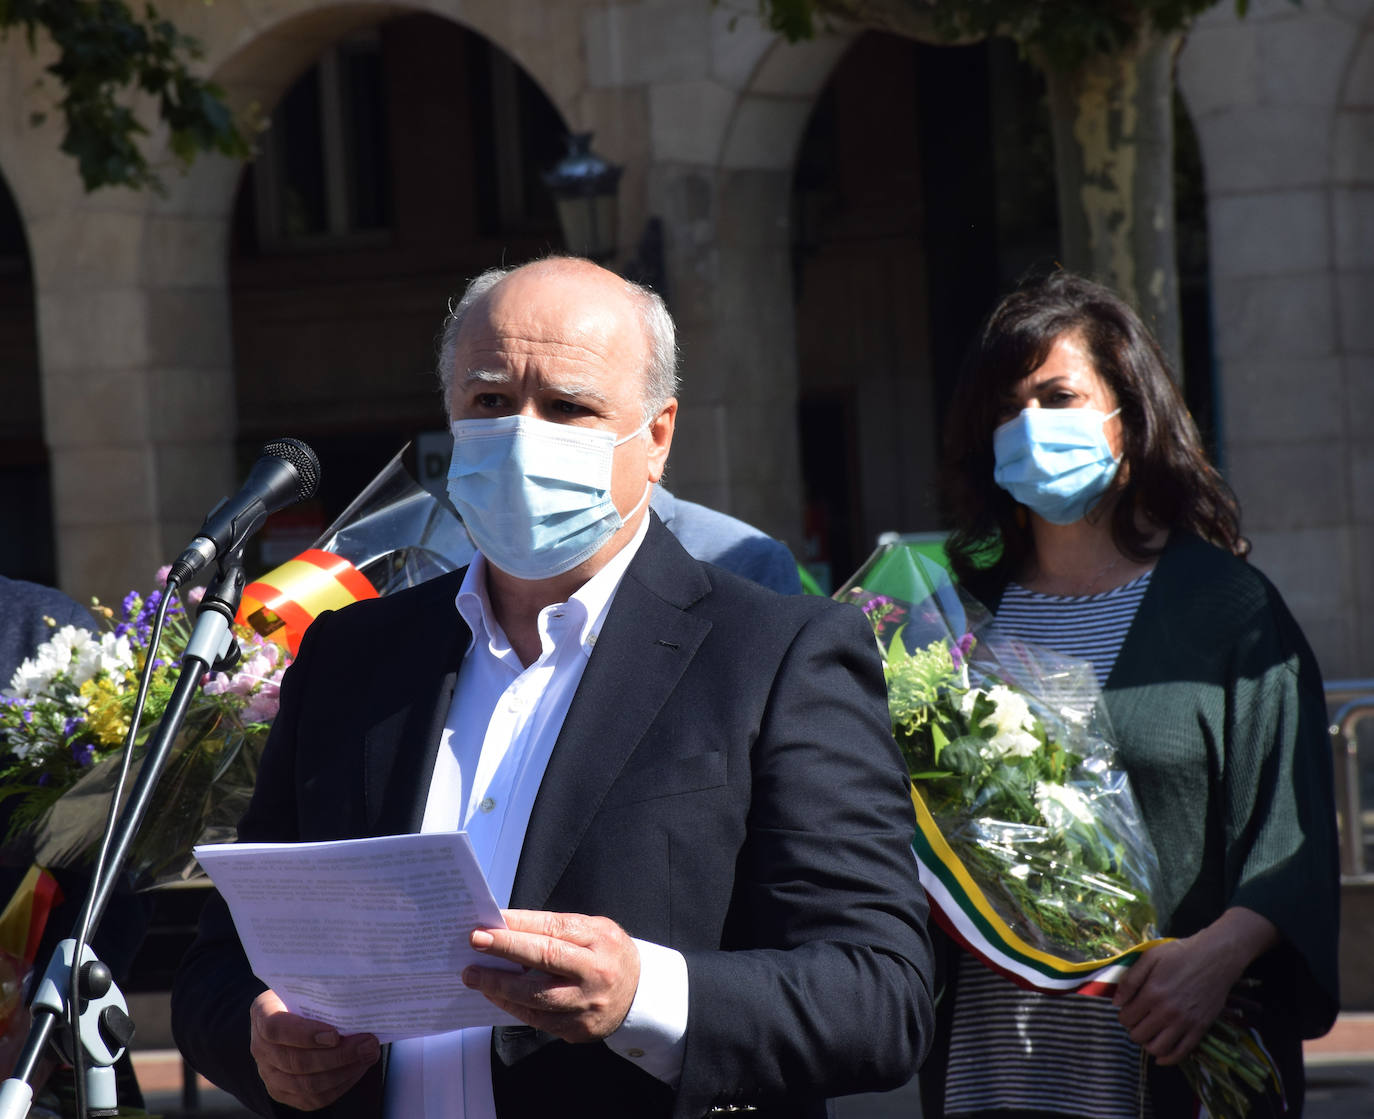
(1011, 721)
(76, 653)
(110, 654)
(28, 680)
(36, 675)
(1062, 805)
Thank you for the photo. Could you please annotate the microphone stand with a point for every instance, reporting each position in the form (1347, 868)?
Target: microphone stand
(103, 1026)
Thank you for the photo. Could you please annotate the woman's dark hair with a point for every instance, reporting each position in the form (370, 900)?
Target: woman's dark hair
(1167, 476)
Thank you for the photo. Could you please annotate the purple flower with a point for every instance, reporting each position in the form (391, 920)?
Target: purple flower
(959, 650)
(72, 725)
(876, 603)
(130, 601)
(43, 779)
(83, 753)
(882, 612)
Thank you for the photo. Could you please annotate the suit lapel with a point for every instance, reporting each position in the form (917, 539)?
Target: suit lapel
(643, 649)
(400, 745)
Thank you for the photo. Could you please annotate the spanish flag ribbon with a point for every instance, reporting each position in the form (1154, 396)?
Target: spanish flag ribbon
(26, 914)
(282, 604)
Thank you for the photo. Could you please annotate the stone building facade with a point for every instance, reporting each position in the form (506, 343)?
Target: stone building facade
(169, 332)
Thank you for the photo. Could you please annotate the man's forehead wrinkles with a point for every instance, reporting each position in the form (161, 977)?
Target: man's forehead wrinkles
(497, 342)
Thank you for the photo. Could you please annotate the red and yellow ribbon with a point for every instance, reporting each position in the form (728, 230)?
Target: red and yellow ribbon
(963, 910)
(282, 604)
(23, 919)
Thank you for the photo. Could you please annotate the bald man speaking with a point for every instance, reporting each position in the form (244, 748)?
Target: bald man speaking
(681, 785)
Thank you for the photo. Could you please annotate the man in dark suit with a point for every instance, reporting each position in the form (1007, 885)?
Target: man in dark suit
(682, 784)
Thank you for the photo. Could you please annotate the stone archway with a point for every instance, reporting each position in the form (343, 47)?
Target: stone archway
(406, 159)
(876, 316)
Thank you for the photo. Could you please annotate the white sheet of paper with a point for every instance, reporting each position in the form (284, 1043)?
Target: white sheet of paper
(369, 935)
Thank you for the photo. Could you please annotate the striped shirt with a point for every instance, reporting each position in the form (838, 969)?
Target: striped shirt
(1090, 627)
(1017, 1049)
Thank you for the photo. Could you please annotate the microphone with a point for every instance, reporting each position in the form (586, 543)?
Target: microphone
(287, 472)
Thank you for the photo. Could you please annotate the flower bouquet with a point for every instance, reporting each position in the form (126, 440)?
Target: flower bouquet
(1030, 843)
(65, 715)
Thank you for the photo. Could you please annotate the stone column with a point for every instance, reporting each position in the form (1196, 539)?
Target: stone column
(133, 327)
(1353, 233)
(1290, 261)
(731, 291)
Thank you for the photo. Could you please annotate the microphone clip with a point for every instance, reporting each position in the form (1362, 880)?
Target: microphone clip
(212, 640)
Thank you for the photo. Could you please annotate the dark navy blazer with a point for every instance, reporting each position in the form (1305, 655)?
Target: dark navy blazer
(725, 783)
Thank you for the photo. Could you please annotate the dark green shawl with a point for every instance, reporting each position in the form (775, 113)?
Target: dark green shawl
(1218, 713)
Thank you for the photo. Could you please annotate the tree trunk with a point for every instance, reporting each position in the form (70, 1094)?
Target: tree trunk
(1112, 122)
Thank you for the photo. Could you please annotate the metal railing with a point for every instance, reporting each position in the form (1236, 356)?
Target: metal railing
(1348, 703)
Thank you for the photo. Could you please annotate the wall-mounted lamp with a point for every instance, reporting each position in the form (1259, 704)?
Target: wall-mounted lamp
(585, 190)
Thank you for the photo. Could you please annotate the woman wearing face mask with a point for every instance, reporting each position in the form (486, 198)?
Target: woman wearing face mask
(1088, 519)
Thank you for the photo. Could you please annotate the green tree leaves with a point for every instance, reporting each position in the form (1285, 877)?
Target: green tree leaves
(106, 56)
(1062, 33)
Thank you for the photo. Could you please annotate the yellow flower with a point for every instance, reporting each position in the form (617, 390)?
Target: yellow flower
(105, 714)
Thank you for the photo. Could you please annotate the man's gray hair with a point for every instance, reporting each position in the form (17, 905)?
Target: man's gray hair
(660, 376)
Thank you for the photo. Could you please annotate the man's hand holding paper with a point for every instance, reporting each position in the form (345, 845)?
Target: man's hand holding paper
(580, 976)
(370, 936)
(304, 1063)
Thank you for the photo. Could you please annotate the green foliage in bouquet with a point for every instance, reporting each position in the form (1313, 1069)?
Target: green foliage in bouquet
(1001, 776)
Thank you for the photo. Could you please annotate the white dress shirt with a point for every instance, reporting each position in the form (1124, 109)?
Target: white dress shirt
(500, 731)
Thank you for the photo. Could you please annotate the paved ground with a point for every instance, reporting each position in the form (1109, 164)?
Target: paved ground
(1340, 1082)
(1340, 1070)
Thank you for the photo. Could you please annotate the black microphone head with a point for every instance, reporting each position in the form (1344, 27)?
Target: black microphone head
(300, 456)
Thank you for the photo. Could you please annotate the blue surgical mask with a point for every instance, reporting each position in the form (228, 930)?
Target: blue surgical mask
(535, 496)
(1055, 461)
